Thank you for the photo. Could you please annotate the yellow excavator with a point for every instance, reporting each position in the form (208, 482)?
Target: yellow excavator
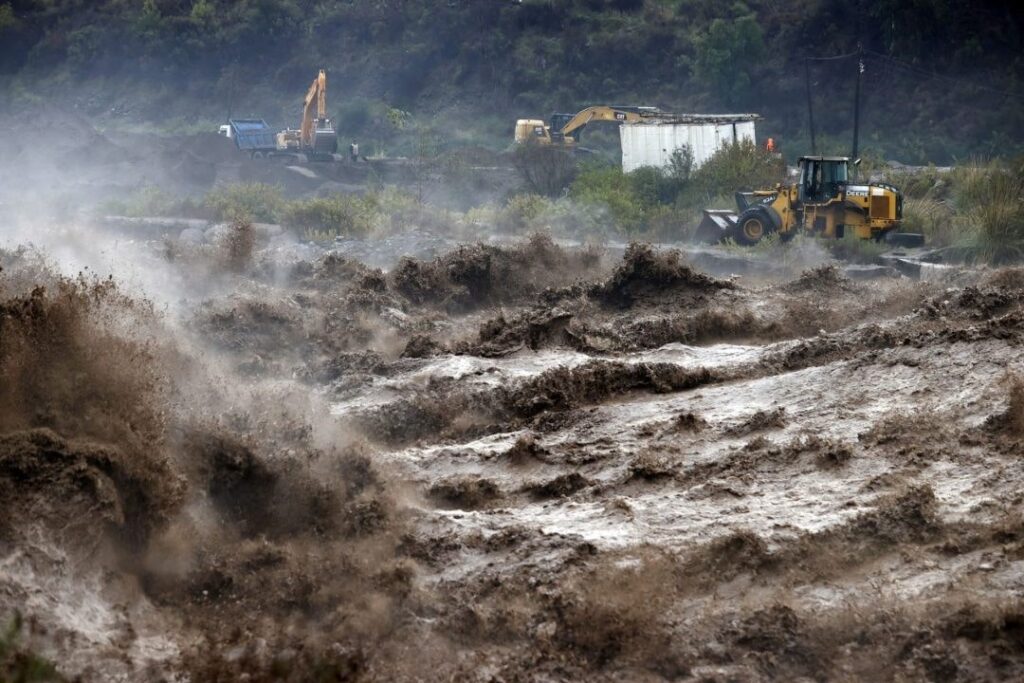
(824, 202)
(316, 137)
(565, 129)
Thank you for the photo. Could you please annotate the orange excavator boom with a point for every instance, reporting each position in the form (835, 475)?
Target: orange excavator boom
(316, 98)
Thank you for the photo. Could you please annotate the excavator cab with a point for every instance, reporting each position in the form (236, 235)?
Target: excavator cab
(822, 179)
(558, 122)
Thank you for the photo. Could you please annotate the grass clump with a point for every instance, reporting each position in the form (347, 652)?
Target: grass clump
(256, 202)
(932, 218)
(521, 211)
(990, 212)
(149, 201)
(337, 215)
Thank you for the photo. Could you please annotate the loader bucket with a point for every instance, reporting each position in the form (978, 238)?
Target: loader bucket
(716, 225)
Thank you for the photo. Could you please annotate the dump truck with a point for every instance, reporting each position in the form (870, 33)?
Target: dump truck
(824, 202)
(251, 135)
(565, 129)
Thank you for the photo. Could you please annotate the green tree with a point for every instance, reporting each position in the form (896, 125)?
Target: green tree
(203, 12)
(149, 17)
(8, 19)
(727, 55)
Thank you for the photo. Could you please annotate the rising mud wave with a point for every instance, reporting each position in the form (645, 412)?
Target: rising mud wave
(226, 527)
(538, 466)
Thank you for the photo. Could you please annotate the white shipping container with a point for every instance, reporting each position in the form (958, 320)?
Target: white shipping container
(653, 143)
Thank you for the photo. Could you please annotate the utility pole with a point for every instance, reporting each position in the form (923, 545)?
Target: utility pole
(856, 104)
(810, 104)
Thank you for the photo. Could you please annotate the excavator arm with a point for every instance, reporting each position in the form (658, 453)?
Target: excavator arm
(565, 128)
(608, 113)
(600, 113)
(315, 97)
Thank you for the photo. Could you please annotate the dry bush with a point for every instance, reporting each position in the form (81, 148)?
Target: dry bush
(545, 169)
(239, 244)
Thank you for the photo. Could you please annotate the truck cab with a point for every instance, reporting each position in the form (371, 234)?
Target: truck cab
(823, 179)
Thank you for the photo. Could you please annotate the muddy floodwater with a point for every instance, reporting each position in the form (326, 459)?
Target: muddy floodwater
(519, 462)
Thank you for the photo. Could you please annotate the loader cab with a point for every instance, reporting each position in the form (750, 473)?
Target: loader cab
(823, 179)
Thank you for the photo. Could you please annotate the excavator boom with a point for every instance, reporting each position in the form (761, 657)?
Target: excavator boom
(315, 97)
(565, 128)
(608, 113)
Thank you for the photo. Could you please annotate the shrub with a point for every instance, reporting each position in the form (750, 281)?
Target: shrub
(335, 215)
(651, 185)
(149, 201)
(608, 186)
(638, 202)
(736, 166)
(568, 217)
(545, 169)
(396, 209)
(520, 212)
(680, 164)
(247, 201)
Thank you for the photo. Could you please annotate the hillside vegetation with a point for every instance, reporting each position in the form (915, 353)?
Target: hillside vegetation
(941, 80)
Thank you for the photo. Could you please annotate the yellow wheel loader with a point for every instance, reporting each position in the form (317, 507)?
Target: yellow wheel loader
(824, 203)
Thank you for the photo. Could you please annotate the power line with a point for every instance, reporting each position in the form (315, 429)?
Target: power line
(833, 58)
(892, 61)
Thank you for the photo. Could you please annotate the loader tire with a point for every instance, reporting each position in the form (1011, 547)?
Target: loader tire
(752, 226)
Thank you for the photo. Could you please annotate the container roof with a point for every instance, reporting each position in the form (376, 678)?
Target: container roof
(668, 118)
